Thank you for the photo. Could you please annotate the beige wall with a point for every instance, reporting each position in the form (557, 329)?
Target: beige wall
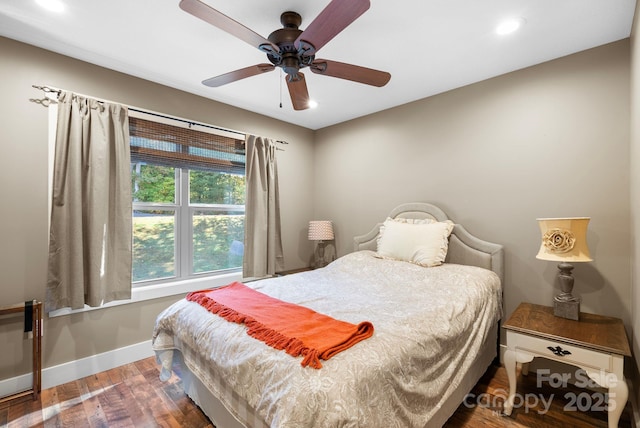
(547, 141)
(23, 169)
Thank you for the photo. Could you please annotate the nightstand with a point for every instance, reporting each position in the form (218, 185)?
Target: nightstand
(596, 344)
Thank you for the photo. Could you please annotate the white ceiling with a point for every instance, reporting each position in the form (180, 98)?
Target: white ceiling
(428, 46)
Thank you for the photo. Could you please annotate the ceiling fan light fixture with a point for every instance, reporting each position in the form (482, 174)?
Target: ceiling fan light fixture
(313, 104)
(509, 26)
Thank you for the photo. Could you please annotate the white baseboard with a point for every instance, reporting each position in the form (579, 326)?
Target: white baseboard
(77, 369)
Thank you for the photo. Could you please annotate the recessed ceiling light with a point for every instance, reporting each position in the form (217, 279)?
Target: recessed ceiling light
(52, 5)
(313, 104)
(509, 26)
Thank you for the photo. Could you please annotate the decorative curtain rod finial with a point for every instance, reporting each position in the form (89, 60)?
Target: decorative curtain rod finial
(47, 89)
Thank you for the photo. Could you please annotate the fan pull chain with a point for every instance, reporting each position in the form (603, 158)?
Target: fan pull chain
(280, 88)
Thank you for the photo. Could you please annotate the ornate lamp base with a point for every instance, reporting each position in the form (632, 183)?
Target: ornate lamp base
(566, 308)
(564, 304)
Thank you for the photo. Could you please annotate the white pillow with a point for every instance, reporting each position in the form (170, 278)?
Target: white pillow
(424, 244)
(408, 220)
(402, 220)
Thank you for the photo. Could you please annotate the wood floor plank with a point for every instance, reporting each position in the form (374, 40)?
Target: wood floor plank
(50, 408)
(71, 406)
(90, 389)
(154, 402)
(119, 374)
(112, 402)
(167, 392)
(133, 396)
(133, 407)
(530, 411)
(22, 413)
(4, 414)
(146, 365)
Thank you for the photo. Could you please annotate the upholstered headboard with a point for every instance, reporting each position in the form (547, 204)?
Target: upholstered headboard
(464, 248)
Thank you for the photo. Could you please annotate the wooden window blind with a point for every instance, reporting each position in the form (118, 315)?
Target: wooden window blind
(164, 144)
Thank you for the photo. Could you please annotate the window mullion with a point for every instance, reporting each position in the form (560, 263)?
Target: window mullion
(185, 247)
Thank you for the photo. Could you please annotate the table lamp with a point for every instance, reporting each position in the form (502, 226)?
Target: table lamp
(564, 240)
(320, 230)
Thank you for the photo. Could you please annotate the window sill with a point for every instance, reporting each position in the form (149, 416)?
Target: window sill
(166, 289)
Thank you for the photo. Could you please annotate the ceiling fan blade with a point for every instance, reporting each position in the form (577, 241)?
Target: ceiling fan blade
(355, 73)
(298, 92)
(332, 20)
(242, 73)
(208, 14)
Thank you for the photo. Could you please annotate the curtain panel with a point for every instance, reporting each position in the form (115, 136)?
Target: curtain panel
(90, 239)
(263, 254)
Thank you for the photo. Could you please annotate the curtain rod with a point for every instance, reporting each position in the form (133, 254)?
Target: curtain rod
(51, 90)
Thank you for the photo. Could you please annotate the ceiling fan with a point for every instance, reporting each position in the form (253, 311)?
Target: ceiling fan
(293, 49)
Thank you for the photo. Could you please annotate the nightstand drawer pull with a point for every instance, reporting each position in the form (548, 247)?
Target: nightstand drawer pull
(558, 351)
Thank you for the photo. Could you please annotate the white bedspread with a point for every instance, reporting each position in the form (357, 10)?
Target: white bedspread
(429, 325)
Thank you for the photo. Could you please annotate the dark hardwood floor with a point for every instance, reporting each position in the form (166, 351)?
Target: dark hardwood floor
(134, 396)
(128, 396)
(534, 407)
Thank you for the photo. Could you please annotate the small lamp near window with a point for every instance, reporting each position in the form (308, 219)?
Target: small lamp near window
(565, 240)
(321, 231)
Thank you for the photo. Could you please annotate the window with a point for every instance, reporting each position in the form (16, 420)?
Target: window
(188, 190)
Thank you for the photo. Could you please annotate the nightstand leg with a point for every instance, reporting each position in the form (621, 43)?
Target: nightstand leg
(510, 366)
(620, 393)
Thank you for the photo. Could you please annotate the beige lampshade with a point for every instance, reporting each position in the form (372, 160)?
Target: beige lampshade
(320, 230)
(564, 239)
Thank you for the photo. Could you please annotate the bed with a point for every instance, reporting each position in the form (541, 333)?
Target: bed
(436, 332)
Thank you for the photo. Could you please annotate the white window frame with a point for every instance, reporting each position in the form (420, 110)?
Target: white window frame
(156, 289)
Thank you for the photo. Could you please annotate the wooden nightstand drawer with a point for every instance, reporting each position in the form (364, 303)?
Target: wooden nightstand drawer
(567, 353)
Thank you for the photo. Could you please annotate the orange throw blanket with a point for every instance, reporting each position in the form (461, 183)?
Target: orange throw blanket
(282, 325)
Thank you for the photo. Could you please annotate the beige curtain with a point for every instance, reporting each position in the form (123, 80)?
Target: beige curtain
(90, 235)
(262, 238)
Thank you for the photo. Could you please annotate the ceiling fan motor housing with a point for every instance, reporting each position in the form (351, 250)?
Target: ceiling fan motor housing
(290, 58)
